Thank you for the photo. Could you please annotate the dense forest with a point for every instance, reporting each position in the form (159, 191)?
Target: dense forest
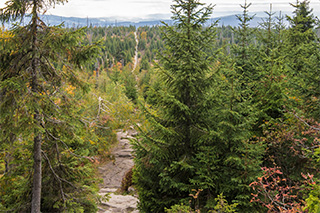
(228, 117)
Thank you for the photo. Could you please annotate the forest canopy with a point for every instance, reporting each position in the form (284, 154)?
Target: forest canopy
(228, 117)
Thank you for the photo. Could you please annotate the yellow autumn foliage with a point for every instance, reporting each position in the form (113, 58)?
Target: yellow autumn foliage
(295, 98)
(70, 90)
(5, 35)
(92, 142)
(143, 36)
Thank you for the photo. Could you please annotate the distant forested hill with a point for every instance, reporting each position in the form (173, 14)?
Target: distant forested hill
(74, 21)
(69, 22)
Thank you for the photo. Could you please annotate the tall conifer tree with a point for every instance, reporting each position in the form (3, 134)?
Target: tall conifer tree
(36, 107)
(303, 57)
(244, 50)
(199, 123)
(164, 157)
(269, 94)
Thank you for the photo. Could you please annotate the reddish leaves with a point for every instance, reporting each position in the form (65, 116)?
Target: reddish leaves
(274, 192)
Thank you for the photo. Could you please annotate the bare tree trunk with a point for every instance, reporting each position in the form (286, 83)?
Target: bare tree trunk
(37, 173)
(36, 188)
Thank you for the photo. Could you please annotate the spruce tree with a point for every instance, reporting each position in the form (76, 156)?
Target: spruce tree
(269, 94)
(37, 112)
(244, 50)
(199, 123)
(303, 57)
(165, 156)
(302, 23)
(235, 154)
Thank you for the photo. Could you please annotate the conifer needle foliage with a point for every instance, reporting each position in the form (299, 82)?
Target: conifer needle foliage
(165, 155)
(39, 67)
(198, 137)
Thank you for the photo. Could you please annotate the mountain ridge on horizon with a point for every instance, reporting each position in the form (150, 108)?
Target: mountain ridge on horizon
(230, 20)
(227, 20)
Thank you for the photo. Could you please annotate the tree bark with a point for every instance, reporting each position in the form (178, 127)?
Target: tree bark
(37, 173)
(36, 188)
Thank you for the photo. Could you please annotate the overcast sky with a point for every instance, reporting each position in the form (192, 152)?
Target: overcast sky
(147, 8)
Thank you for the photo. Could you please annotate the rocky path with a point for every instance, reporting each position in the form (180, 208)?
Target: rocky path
(113, 173)
(136, 52)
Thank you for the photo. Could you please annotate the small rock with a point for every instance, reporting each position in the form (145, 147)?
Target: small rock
(125, 153)
(134, 134)
(121, 202)
(131, 189)
(108, 190)
(124, 142)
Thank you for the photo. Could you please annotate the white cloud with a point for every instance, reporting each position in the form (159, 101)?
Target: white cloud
(143, 8)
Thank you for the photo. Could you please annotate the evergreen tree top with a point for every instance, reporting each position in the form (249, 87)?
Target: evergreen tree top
(17, 9)
(186, 11)
(303, 19)
(245, 18)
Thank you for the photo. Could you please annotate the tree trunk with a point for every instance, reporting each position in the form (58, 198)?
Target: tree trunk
(37, 173)
(36, 188)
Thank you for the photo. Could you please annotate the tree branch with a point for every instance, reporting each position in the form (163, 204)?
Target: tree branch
(303, 121)
(67, 147)
(56, 176)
